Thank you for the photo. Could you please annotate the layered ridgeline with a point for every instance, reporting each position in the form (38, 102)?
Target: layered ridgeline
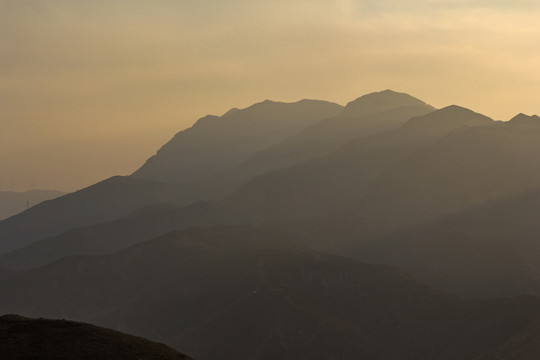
(109, 237)
(12, 202)
(365, 116)
(237, 293)
(486, 250)
(216, 144)
(491, 250)
(437, 166)
(342, 179)
(23, 338)
(119, 196)
(263, 137)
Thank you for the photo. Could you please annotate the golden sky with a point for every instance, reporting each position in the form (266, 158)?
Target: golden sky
(90, 89)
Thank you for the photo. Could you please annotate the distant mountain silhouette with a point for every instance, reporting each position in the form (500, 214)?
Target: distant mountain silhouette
(368, 115)
(467, 168)
(12, 202)
(105, 238)
(22, 338)
(109, 237)
(320, 187)
(381, 102)
(118, 196)
(525, 120)
(237, 293)
(216, 144)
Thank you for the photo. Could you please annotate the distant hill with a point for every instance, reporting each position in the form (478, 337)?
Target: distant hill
(238, 293)
(12, 203)
(22, 338)
(108, 237)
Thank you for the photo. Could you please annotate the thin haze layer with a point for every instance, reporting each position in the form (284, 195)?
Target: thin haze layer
(89, 89)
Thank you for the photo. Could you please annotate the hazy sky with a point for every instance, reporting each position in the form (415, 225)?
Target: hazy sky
(91, 88)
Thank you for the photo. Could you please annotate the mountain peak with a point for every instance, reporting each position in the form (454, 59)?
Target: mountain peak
(452, 116)
(230, 112)
(456, 110)
(379, 102)
(207, 120)
(523, 119)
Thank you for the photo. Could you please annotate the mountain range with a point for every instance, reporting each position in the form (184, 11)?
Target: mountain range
(383, 229)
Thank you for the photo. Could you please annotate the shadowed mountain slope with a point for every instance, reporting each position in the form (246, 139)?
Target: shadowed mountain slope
(315, 188)
(12, 203)
(321, 187)
(367, 115)
(218, 141)
(216, 144)
(374, 113)
(22, 338)
(491, 250)
(237, 293)
(469, 167)
(109, 237)
(213, 144)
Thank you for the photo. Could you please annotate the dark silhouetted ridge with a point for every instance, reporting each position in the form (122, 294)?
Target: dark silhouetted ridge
(525, 120)
(106, 200)
(22, 338)
(216, 144)
(451, 117)
(240, 293)
(380, 102)
(320, 187)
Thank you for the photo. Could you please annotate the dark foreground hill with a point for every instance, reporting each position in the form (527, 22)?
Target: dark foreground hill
(22, 338)
(237, 293)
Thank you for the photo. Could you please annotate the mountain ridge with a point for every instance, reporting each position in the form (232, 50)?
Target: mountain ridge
(238, 292)
(23, 338)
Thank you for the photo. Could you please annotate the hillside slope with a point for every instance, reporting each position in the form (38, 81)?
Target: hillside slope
(25, 339)
(233, 292)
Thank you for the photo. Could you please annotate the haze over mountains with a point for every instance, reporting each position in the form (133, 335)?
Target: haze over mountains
(249, 236)
(117, 196)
